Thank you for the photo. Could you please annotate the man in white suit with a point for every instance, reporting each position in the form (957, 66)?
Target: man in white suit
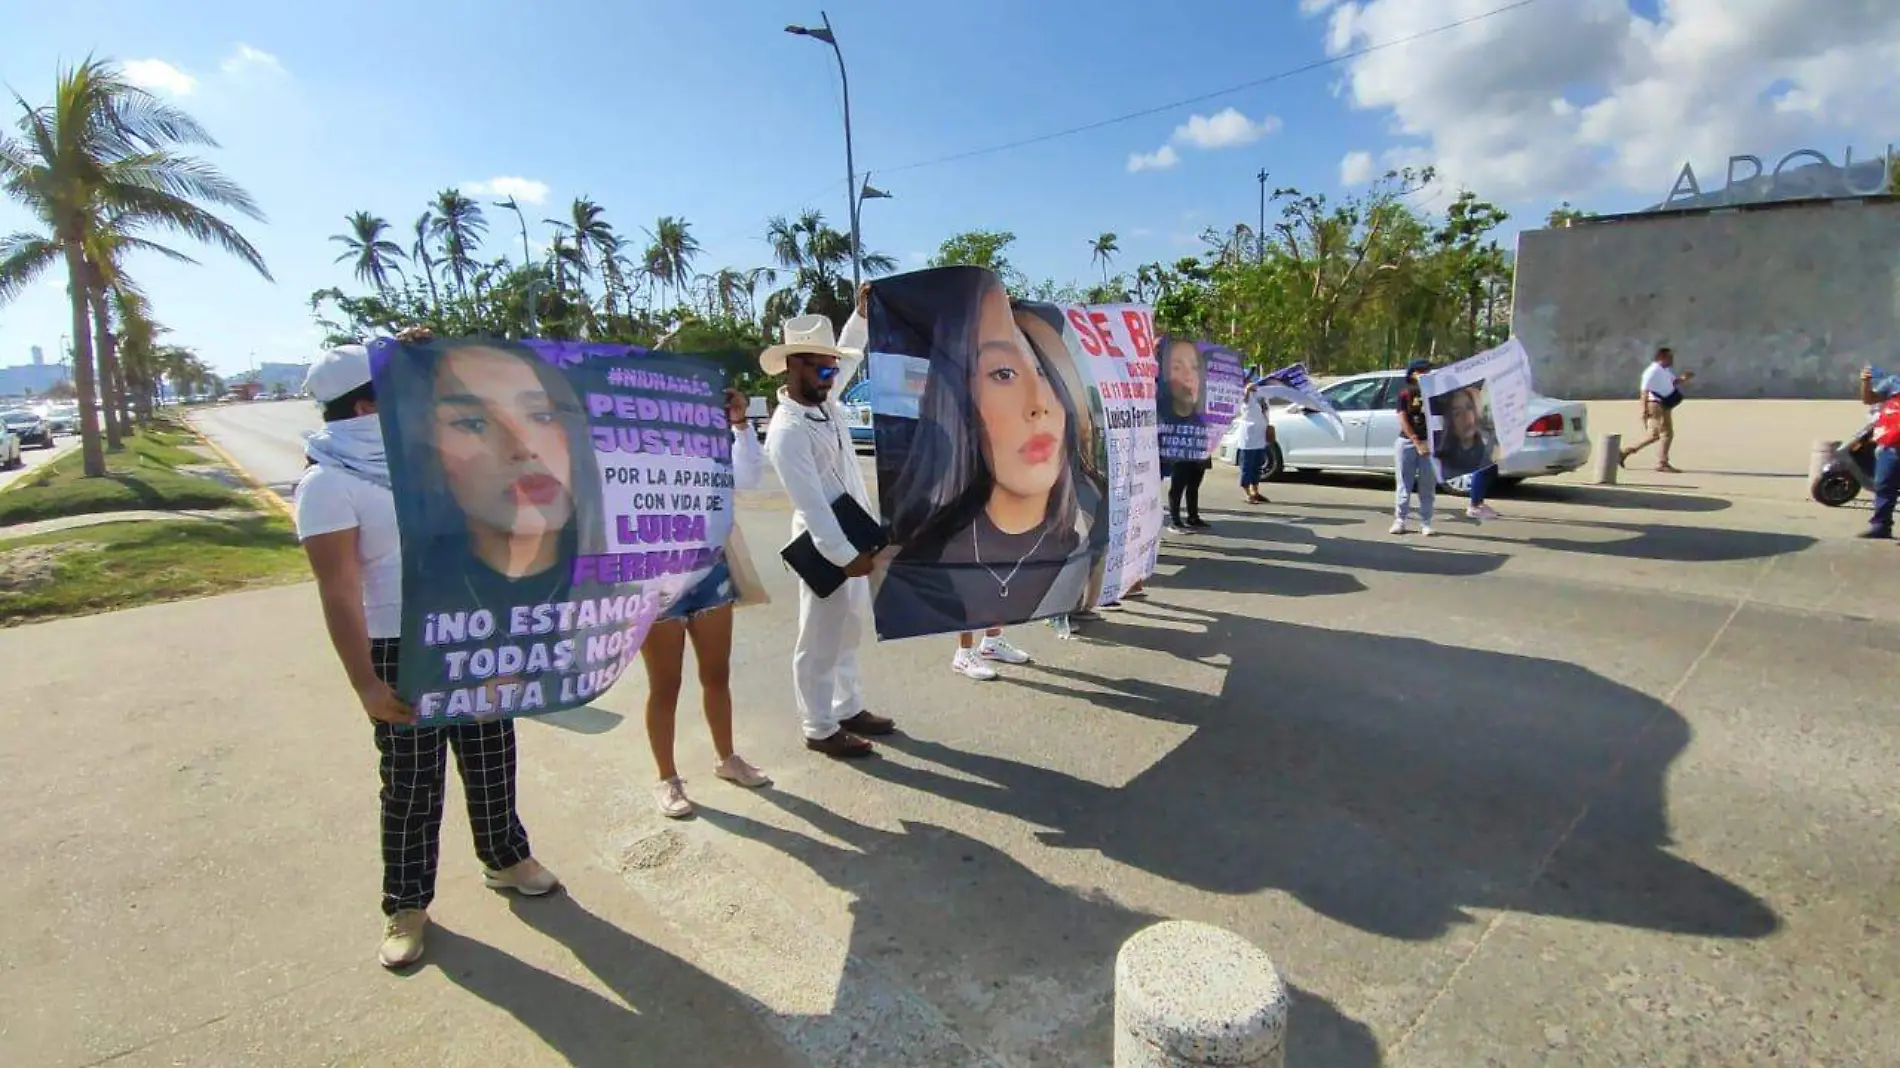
(810, 448)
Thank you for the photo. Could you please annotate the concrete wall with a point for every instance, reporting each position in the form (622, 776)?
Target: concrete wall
(1783, 301)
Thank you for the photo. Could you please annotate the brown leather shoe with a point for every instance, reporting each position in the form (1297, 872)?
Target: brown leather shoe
(841, 745)
(867, 723)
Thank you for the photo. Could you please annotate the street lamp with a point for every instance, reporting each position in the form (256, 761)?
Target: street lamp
(851, 192)
(868, 192)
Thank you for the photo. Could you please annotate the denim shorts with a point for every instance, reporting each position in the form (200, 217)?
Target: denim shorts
(716, 590)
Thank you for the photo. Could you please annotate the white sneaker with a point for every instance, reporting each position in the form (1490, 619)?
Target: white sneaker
(970, 665)
(1480, 513)
(1426, 529)
(999, 650)
(670, 796)
(1398, 526)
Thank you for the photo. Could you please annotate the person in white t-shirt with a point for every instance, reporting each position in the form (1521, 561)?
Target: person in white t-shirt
(1256, 436)
(346, 519)
(1660, 383)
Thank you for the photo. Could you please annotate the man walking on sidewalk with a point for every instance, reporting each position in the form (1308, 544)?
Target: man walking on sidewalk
(811, 450)
(1660, 392)
(346, 519)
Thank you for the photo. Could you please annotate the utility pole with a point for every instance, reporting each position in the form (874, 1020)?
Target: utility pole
(1260, 235)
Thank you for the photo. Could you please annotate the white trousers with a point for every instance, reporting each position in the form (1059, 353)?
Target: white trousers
(825, 659)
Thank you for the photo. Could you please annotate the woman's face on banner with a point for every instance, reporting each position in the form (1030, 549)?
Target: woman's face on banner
(504, 451)
(1462, 413)
(1184, 377)
(1023, 422)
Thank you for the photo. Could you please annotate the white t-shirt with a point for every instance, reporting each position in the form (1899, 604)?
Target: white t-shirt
(1658, 380)
(1253, 422)
(329, 500)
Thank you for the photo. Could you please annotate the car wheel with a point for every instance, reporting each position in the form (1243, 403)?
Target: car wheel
(1274, 466)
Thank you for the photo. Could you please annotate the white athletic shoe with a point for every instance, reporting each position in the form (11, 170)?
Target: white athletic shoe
(999, 650)
(967, 663)
(1426, 529)
(1398, 526)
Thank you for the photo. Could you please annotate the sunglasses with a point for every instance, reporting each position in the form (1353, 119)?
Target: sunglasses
(825, 372)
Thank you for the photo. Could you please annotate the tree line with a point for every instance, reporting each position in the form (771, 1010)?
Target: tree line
(99, 171)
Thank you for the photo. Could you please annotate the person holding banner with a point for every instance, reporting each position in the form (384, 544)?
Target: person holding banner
(346, 520)
(810, 450)
(1412, 454)
(1256, 437)
(703, 615)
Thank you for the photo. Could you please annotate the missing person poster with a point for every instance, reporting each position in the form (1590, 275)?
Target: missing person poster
(1199, 393)
(1293, 385)
(1118, 346)
(989, 478)
(1002, 428)
(1479, 409)
(554, 499)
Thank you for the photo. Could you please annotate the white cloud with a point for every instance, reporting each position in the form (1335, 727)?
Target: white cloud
(246, 58)
(1223, 129)
(1355, 169)
(1589, 96)
(160, 76)
(1164, 158)
(525, 190)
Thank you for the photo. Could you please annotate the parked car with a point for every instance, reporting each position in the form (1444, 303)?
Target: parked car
(10, 457)
(29, 427)
(856, 403)
(1557, 442)
(62, 418)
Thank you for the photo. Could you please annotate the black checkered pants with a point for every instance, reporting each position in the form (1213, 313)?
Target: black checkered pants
(414, 782)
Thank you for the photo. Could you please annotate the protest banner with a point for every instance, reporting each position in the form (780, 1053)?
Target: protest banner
(1479, 409)
(1118, 348)
(553, 499)
(1199, 392)
(998, 444)
(1293, 385)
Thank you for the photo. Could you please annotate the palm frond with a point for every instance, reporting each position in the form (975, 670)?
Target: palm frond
(23, 258)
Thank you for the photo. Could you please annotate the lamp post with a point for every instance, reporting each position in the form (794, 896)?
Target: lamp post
(867, 191)
(853, 196)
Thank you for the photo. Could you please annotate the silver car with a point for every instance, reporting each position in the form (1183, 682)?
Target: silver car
(1557, 442)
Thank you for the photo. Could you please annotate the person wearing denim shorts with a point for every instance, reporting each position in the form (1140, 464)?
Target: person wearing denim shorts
(703, 615)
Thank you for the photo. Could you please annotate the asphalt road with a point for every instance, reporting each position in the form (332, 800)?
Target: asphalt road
(36, 458)
(1609, 781)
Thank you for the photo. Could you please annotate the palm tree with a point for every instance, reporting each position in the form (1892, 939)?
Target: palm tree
(459, 226)
(527, 258)
(419, 252)
(819, 260)
(374, 254)
(673, 252)
(103, 149)
(1103, 249)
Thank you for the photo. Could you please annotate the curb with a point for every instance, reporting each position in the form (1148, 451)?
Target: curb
(277, 503)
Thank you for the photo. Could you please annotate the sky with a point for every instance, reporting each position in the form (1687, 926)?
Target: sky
(712, 112)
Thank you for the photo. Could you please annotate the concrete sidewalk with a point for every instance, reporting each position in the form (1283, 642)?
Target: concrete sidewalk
(1609, 781)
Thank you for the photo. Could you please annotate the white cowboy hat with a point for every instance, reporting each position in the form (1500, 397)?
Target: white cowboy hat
(804, 333)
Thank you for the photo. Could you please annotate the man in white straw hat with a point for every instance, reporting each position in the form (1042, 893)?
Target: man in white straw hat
(811, 450)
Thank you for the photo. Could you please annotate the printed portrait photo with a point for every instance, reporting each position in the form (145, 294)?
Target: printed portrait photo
(1465, 439)
(993, 494)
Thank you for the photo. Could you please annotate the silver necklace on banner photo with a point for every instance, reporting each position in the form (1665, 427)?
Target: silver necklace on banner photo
(1002, 584)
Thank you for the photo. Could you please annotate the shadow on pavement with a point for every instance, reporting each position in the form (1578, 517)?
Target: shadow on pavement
(1685, 545)
(669, 1011)
(1389, 783)
(1612, 497)
(934, 908)
(1220, 564)
(587, 719)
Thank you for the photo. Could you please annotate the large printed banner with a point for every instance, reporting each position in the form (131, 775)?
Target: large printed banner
(1293, 385)
(1480, 409)
(1010, 437)
(1200, 392)
(553, 499)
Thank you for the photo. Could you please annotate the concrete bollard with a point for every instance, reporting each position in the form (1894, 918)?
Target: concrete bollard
(1822, 455)
(1188, 995)
(1609, 459)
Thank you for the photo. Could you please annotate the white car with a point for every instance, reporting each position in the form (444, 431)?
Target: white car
(1557, 442)
(10, 457)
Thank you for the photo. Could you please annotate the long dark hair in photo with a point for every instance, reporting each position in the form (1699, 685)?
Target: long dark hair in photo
(423, 499)
(944, 482)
